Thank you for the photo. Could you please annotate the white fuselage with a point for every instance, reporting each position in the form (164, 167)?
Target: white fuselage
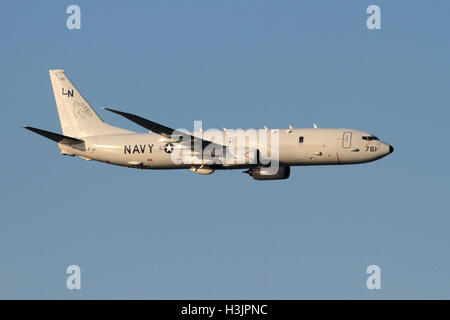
(296, 147)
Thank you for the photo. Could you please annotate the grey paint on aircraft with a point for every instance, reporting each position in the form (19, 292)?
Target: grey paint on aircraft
(153, 150)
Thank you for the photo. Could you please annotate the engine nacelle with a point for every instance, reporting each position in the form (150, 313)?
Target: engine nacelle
(266, 173)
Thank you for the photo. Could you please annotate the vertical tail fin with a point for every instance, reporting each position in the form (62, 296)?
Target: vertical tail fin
(77, 117)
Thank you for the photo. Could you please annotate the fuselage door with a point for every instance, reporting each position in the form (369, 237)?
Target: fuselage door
(347, 140)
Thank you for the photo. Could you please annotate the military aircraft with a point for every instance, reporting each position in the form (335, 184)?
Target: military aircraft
(266, 154)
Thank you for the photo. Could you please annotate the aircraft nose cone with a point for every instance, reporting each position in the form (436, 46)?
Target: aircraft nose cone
(391, 149)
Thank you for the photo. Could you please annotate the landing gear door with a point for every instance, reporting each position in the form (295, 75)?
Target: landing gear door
(347, 140)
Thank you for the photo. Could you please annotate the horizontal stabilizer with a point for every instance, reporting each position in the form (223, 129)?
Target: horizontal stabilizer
(55, 136)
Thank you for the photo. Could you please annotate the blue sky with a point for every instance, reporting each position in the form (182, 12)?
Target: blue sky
(235, 64)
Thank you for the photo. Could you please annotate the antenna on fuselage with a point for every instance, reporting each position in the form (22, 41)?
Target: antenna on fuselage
(315, 126)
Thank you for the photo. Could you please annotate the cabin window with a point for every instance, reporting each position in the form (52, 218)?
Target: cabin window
(300, 140)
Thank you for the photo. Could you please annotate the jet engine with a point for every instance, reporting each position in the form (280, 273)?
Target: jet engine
(266, 173)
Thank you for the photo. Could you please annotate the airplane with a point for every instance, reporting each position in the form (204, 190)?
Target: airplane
(265, 154)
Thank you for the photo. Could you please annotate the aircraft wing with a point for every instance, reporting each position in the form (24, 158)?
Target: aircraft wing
(164, 131)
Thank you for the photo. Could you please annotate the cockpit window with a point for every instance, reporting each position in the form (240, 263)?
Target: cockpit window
(370, 138)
